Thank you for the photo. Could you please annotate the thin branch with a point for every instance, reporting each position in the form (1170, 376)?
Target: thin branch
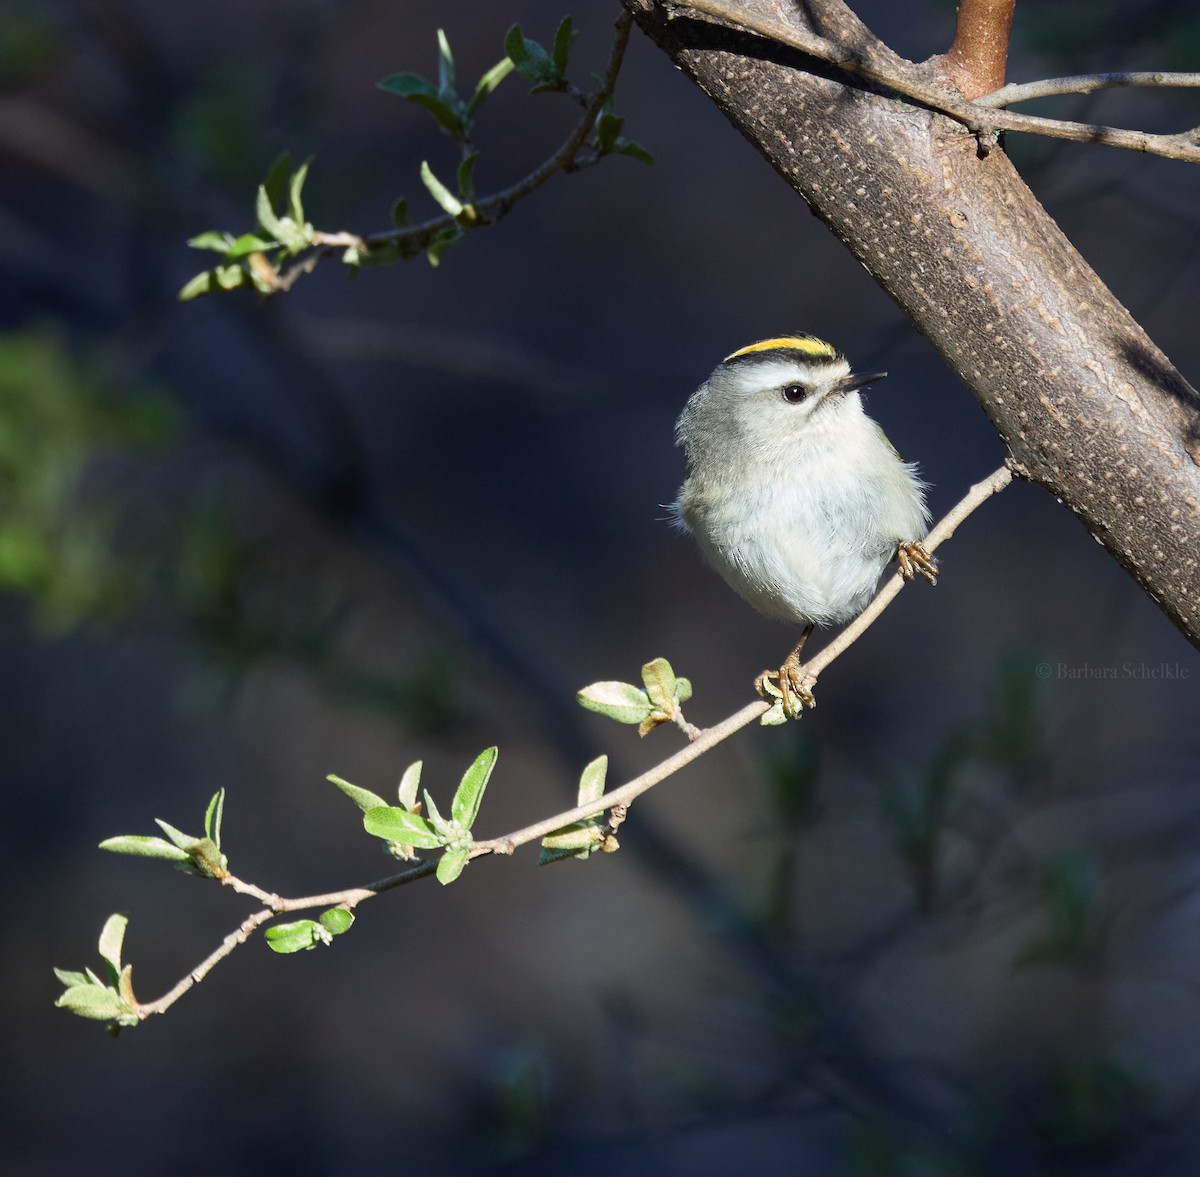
(245, 930)
(913, 83)
(1083, 84)
(493, 208)
(616, 800)
(977, 58)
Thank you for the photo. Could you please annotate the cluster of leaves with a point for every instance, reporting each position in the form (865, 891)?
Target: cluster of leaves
(659, 700)
(405, 829)
(200, 856)
(88, 996)
(253, 259)
(284, 234)
(581, 838)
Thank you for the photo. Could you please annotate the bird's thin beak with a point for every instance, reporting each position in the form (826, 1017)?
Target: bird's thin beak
(857, 380)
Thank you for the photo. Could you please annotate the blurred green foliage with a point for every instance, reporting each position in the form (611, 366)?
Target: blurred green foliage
(31, 41)
(1073, 913)
(89, 538)
(59, 518)
(1093, 1104)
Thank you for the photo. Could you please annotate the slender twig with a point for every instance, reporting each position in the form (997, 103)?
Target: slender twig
(616, 801)
(977, 56)
(1083, 84)
(277, 906)
(915, 84)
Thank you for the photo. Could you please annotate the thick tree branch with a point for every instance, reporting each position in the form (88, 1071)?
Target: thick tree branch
(979, 53)
(1088, 406)
(928, 84)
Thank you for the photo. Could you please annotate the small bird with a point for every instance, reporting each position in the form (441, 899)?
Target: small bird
(795, 496)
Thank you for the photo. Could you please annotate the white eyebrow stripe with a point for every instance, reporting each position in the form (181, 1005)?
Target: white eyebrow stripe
(768, 374)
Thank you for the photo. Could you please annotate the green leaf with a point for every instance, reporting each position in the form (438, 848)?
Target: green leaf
(278, 179)
(577, 836)
(182, 840)
(266, 215)
(621, 701)
(442, 242)
(608, 129)
(416, 89)
(97, 1002)
(222, 278)
(289, 231)
(451, 864)
(249, 243)
(467, 797)
(363, 798)
(547, 856)
(532, 62)
(70, 978)
(445, 198)
(400, 214)
(660, 684)
(488, 83)
(465, 177)
(125, 986)
(232, 277)
(436, 820)
(112, 936)
(295, 188)
(398, 825)
(195, 287)
(446, 79)
(213, 816)
(634, 151)
(407, 86)
(336, 920)
(446, 116)
(294, 937)
(145, 846)
(211, 281)
(213, 239)
(410, 781)
(564, 38)
(591, 781)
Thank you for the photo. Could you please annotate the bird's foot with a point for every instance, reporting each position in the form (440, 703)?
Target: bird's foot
(914, 558)
(790, 684)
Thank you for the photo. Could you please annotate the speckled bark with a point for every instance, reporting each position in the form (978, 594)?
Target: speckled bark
(1086, 403)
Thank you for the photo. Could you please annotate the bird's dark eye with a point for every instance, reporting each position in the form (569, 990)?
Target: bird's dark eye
(794, 393)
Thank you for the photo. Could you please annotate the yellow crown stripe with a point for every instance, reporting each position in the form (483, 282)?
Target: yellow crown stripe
(808, 344)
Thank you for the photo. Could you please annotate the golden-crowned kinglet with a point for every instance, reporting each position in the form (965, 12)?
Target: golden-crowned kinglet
(795, 496)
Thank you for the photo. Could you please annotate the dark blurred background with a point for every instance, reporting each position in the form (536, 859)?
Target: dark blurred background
(947, 924)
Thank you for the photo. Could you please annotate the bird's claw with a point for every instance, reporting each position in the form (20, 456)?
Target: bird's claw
(914, 558)
(791, 685)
